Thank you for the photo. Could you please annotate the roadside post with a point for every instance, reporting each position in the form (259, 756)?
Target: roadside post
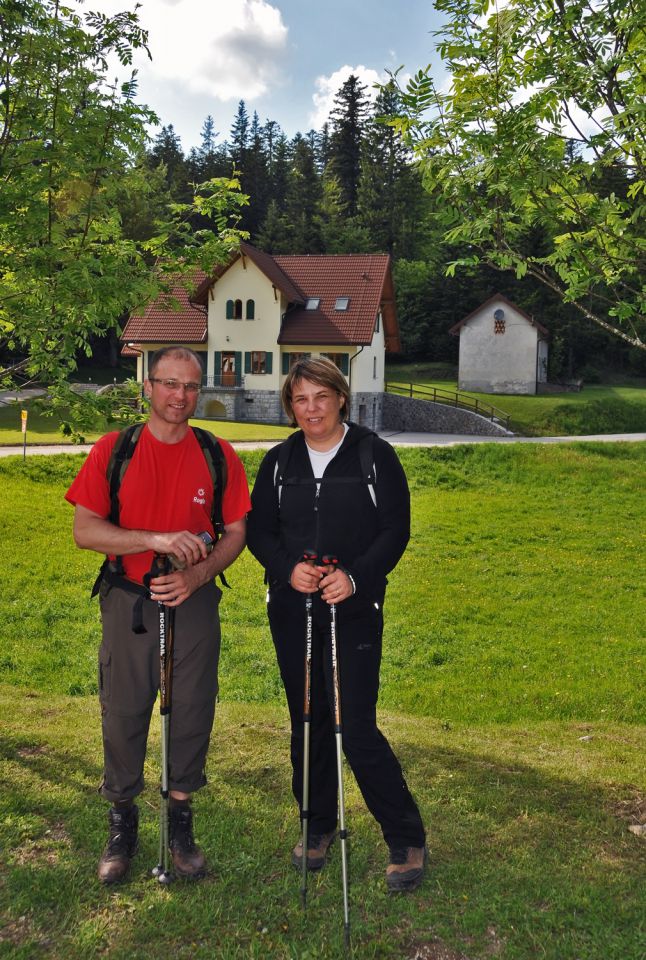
(23, 418)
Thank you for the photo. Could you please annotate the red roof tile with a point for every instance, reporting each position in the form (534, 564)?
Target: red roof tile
(359, 277)
(365, 279)
(166, 322)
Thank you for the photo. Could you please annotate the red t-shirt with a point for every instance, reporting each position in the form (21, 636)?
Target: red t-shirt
(166, 487)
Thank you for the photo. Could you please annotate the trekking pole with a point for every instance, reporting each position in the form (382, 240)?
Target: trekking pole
(331, 561)
(166, 629)
(309, 556)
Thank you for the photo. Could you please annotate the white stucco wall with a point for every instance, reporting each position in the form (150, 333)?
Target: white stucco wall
(364, 367)
(246, 283)
(498, 363)
(249, 282)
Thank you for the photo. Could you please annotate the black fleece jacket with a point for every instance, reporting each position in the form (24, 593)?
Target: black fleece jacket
(341, 519)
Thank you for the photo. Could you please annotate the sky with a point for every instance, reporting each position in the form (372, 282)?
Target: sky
(285, 58)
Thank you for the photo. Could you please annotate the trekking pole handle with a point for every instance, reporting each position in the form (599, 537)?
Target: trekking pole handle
(330, 560)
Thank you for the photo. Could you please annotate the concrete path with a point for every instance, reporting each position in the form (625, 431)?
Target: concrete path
(403, 439)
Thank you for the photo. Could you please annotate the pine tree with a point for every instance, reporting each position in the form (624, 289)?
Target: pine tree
(279, 176)
(208, 160)
(255, 179)
(239, 136)
(167, 152)
(348, 116)
(274, 233)
(391, 201)
(303, 199)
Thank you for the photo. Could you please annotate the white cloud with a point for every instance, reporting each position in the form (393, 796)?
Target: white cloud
(228, 51)
(327, 88)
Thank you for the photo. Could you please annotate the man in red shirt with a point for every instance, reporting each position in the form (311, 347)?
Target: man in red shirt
(165, 501)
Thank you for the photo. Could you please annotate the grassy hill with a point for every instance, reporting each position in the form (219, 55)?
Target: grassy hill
(512, 690)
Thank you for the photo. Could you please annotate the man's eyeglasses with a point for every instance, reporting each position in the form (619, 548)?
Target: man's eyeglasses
(190, 387)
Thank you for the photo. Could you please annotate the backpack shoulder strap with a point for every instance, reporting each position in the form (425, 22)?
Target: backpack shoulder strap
(217, 465)
(284, 453)
(120, 457)
(368, 468)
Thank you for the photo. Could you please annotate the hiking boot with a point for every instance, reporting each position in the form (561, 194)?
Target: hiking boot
(406, 868)
(188, 859)
(318, 846)
(122, 844)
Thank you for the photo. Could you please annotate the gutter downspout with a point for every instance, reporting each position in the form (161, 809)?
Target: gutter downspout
(353, 357)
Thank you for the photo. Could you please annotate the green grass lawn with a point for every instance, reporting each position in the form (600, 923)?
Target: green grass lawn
(42, 429)
(512, 691)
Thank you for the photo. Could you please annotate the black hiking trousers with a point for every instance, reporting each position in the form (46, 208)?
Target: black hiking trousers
(373, 763)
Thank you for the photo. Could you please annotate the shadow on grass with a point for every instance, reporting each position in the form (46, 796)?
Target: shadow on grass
(523, 862)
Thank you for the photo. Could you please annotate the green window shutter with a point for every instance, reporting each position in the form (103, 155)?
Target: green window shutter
(285, 363)
(247, 361)
(268, 362)
(344, 364)
(229, 309)
(238, 365)
(217, 366)
(251, 310)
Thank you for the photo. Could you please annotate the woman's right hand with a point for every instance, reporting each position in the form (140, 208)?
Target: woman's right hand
(305, 577)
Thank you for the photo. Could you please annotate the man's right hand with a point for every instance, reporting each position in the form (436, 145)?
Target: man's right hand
(187, 547)
(93, 532)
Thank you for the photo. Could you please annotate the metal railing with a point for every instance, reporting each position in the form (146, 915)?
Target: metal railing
(450, 398)
(222, 381)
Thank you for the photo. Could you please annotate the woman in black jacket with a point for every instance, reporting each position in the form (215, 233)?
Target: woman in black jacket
(335, 488)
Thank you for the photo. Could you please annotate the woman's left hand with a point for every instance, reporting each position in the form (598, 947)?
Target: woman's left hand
(336, 587)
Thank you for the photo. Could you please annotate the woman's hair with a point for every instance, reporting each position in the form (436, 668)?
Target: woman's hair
(177, 353)
(321, 371)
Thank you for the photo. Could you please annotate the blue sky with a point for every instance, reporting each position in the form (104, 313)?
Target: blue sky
(284, 58)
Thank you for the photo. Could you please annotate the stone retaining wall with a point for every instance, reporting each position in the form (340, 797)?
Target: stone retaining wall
(424, 416)
(385, 411)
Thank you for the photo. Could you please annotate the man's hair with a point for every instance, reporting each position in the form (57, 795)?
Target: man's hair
(321, 371)
(177, 353)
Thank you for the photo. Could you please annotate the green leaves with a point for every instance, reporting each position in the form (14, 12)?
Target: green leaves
(542, 127)
(71, 149)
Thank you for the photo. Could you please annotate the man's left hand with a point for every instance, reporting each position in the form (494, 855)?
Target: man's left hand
(174, 588)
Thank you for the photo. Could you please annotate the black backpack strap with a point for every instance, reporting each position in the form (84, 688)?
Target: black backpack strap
(366, 460)
(284, 453)
(218, 469)
(368, 468)
(120, 457)
(217, 465)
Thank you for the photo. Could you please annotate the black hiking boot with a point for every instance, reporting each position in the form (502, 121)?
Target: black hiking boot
(122, 844)
(188, 859)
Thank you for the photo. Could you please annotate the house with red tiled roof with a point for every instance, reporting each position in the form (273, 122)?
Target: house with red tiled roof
(502, 349)
(254, 316)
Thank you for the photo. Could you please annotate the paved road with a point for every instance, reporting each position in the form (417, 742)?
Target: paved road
(403, 439)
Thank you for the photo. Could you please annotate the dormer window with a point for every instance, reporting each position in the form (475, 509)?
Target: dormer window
(342, 303)
(312, 303)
